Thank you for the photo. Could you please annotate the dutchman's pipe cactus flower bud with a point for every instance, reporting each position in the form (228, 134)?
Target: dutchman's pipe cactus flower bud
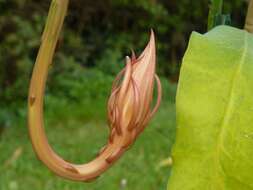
(129, 106)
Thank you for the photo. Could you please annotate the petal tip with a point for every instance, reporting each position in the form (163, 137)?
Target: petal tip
(128, 60)
(152, 35)
(133, 56)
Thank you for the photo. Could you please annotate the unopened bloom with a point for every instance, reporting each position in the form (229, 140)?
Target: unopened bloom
(129, 106)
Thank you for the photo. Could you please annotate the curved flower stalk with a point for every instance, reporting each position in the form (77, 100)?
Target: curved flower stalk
(129, 106)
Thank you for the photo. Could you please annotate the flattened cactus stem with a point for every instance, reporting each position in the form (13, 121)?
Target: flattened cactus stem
(249, 18)
(215, 9)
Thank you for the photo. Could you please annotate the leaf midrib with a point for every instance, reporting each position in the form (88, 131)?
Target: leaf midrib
(228, 112)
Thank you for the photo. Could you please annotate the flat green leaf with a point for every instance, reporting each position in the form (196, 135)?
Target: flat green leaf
(214, 143)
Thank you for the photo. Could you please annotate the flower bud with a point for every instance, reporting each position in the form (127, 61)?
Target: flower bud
(129, 106)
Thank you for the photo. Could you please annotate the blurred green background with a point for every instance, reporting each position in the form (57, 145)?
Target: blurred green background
(97, 35)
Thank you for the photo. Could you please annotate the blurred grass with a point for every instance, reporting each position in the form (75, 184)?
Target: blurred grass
(77, 131)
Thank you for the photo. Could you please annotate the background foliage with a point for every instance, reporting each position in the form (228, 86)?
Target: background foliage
(97, 36)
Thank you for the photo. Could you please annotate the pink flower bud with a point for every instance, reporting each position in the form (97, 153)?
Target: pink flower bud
(129, 106)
